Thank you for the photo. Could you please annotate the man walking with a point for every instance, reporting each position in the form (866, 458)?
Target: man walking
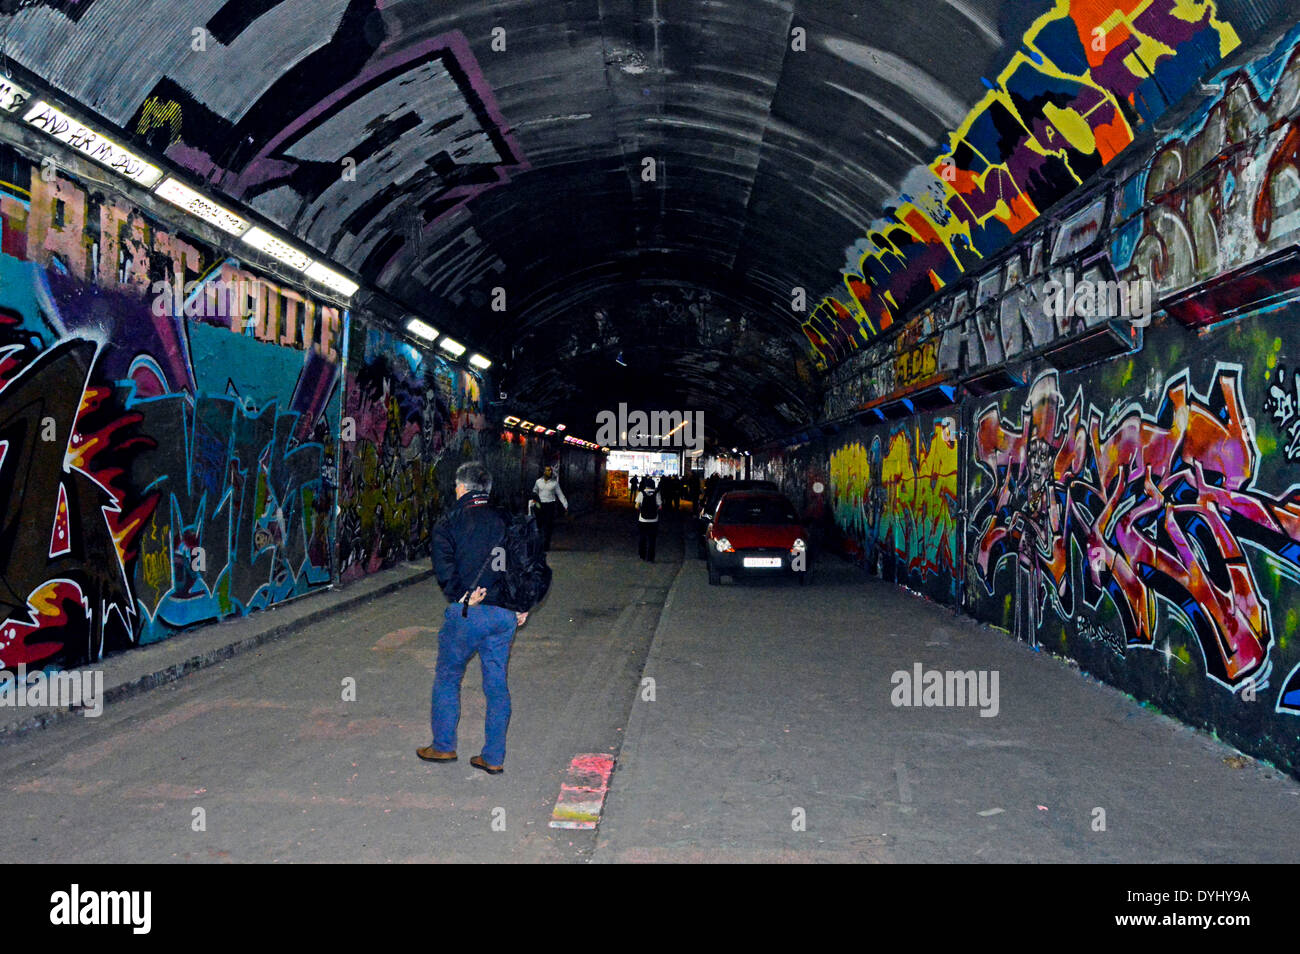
(465, 541)
(547, 491)
(648, 503)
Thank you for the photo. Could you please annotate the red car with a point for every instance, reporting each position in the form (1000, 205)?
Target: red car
(757, 532)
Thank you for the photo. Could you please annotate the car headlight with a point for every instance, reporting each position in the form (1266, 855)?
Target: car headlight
(724, 545)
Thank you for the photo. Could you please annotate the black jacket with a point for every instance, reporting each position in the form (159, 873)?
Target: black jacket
(462, 540)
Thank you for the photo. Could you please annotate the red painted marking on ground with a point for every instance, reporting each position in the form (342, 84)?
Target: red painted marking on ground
(582, 793)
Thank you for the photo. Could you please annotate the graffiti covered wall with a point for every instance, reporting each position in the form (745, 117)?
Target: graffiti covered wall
(404, 411)
(894, 494)
(1144, 518)
(1217, 197)
(1087, 77)
(1141, 515)
(169, 427)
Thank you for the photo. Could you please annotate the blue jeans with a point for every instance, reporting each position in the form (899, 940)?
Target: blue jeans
(488, 631)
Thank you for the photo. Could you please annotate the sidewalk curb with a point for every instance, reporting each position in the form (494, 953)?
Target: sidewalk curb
(176, 671)
(635, 729)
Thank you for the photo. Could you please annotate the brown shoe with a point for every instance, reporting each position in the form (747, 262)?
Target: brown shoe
(430, 754)
(478, 763)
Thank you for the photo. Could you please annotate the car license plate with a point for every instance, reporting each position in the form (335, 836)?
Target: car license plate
(762, 561)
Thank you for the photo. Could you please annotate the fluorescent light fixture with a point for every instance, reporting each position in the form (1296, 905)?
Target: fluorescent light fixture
(453, 348)
(264, 241)
(92, 144)
(417, 327)
(201, 207)
(511, 420)
(550, 431)
(559, 427)
(539, 427)
(12, 96)
(479, 361)
(332, 279)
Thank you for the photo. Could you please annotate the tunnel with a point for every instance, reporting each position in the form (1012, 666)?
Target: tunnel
(993, 301)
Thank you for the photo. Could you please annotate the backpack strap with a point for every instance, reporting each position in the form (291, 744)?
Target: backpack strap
(464, 601)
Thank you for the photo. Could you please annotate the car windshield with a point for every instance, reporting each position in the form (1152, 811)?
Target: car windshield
(757, 510)
(734, 485)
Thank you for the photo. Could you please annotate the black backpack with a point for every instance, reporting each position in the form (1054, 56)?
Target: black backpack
(650, 503)
(527, 578)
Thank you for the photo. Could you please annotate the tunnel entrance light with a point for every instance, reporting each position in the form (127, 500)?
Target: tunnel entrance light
(417, 327)
(452, 347)
(201, 207)
(92, 144)
(264, 241)
(479, 361)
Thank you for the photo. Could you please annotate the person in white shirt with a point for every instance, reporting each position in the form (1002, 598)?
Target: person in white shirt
(648, 505)
(548, 493)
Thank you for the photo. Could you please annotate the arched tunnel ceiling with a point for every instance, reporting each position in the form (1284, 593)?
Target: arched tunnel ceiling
(444, 149)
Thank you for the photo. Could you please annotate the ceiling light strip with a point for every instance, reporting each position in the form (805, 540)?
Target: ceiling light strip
(109, 153)
(93, 145)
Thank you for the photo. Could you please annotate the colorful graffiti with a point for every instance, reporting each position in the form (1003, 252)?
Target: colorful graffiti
(1086, 77)
(1224, 189)
(403, 409)
(162, 462)
(1154, 507)
(1208, 204)
(897, 498)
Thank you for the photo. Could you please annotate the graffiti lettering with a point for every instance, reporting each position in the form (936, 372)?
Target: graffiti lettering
(1158, 506)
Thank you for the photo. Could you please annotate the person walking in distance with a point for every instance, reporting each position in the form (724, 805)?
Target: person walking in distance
(464, 543)
(648, 504)
(672, 492)
(549, 496)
